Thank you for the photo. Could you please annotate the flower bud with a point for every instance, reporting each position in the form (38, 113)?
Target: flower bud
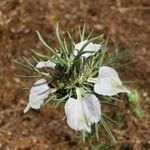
(133, 97)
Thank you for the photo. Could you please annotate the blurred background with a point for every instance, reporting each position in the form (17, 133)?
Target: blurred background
(126, 20)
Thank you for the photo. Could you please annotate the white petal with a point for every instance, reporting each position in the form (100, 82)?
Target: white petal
(75, 116)
(80, 45)
(48, 64)
(94, 107)
(108, 82)
(81, 114)
(106, 71)
(38, 93)
(96, 47)
(93, 48)
(90, 47)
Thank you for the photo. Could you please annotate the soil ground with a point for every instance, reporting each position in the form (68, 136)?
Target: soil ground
(126, 20)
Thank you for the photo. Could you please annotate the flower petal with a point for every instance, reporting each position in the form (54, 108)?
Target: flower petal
(94, 107)
(90, 47)
(96, 47)
(106, 71)
(81, 114)
(48, 64)
(38, 93)
(80, 45)
(76, 118)
(108, 82)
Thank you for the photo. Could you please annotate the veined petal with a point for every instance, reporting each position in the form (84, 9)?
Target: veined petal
(81, 114)
(90, 47)
(108, 82)
(38, 93)
(47, 64)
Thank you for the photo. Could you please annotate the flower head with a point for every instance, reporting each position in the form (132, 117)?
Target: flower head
(70, 70)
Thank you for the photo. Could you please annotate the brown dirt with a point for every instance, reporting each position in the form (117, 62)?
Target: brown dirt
(45, 129)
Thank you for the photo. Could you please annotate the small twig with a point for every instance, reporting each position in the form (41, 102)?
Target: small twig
(122, 10)
(125, 9)
(132, 141)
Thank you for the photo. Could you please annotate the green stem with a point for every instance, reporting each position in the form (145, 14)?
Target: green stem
(78, 92)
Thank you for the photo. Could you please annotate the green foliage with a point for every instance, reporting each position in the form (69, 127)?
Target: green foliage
(100, 146)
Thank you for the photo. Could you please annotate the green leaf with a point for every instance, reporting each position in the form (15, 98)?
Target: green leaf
(65, 45)
(84, 135)
(22, 65)
(58, 101)
(90, 34)
(23, 76)
(111, 104)
(72, 43)
(110, 98)
(62, 47)
(80, 33)
(83, 32)
(104, 48)
(117, 56)
(119, 66)
(107, 129)
(36, 60)
(51, 97)
(28, 62)
(50, 49)
(97, 131)
(109, 119)
(39, 55)
(45, 44)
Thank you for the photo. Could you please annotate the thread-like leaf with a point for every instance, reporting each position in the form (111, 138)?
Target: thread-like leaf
(107, 129)
(108, 118)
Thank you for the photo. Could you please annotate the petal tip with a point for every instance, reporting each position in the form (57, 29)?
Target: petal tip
(26, 109)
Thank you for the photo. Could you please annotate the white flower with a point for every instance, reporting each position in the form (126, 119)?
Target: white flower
(82, 113)
(47, 64)
(108, 82)
(90, 47)
(38, 93)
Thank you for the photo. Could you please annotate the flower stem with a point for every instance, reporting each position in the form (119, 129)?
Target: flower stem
(78, 92)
